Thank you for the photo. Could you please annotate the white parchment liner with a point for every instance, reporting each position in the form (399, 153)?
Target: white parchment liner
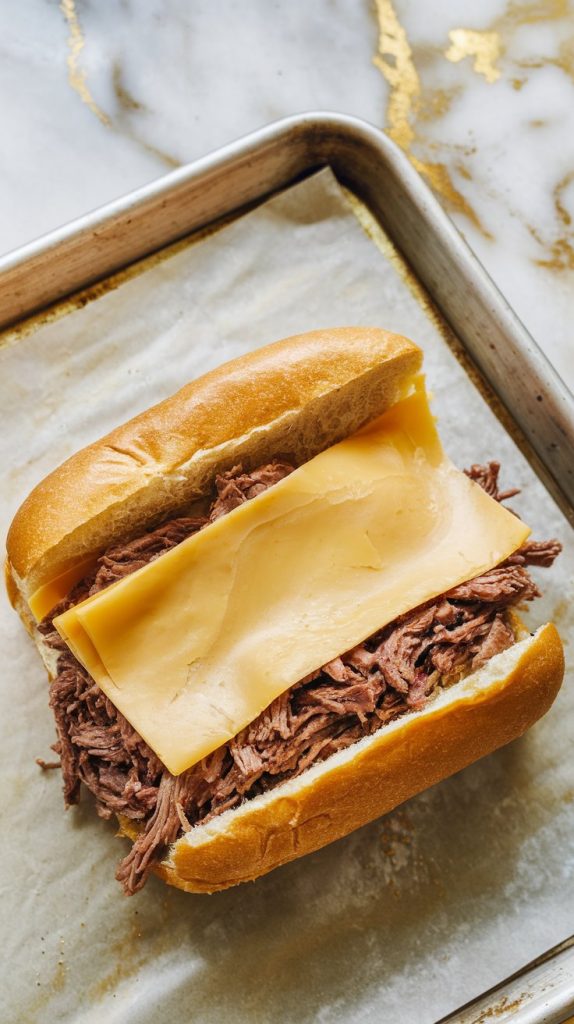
(402, 921)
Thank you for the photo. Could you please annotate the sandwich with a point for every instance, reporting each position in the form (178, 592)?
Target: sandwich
(271, 610)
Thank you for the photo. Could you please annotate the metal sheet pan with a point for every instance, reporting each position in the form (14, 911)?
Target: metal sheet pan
(362, 157)
(534, 401)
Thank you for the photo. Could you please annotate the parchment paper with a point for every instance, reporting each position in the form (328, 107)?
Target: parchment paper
(405, 919)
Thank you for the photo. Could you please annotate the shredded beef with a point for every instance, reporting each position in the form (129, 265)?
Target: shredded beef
(487, 477)
(392, 672)
(536, 552)
(235, 486)
(506, 583)
(94, 738)
(124, 559)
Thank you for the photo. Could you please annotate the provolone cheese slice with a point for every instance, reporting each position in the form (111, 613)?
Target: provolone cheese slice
(195, 645)
(49, 594)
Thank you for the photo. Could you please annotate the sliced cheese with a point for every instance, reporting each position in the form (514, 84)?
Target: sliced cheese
(195, 645)
(49, 594)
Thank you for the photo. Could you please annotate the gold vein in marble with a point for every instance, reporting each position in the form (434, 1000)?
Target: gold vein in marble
(564, 61)
(561, 250)
(125, 101)
(76, 74)
(485, 47)
(519, 13)
(409, 106)
(124, 98)
(435, 103)
(394, 60)
(127, 104)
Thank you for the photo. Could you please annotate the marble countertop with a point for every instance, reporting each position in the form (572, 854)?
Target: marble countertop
(98, 99)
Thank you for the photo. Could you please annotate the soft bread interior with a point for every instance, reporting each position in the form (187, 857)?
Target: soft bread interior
(332, 798)
(292, 399)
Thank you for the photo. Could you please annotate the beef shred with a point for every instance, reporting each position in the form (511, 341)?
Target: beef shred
(392, 672)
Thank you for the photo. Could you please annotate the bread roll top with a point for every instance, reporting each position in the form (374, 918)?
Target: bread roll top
(294, 399)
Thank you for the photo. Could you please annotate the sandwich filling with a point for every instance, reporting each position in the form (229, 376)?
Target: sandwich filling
(192, 647)
(395, 671)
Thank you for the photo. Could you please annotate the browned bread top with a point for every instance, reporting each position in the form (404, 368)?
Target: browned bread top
(293, 398)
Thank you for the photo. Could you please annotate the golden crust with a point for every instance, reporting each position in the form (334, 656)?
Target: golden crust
(382, 772)
(10, 582)
(142, 467)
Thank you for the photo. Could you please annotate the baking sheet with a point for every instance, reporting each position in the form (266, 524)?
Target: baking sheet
(402, 921)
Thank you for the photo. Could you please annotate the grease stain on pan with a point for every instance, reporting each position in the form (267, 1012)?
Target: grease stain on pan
(505, 1006)
(51, 986)
(128, 954)
(562, 616)
(63, 307)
